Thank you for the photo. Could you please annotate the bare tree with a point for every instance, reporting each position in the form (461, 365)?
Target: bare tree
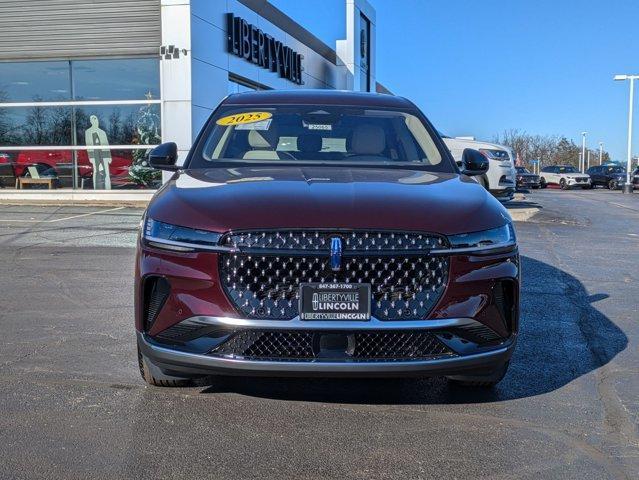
(547, 149)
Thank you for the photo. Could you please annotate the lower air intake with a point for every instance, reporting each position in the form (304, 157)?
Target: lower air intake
(156, 291)
(309, 345)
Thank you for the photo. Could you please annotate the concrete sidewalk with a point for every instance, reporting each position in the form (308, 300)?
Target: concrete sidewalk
(520, 208)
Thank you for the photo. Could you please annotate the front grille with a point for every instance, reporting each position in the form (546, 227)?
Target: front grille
(307, 345)
(406, 283)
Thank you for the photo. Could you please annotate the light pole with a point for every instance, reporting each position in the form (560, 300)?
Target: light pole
(600, 152)
(583, 151)
(627, 188)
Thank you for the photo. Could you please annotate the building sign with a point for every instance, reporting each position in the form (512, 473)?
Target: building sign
(248, 41)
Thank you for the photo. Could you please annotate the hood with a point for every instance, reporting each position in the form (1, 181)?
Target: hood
(222, 199)
(457, 146)
(476, 144)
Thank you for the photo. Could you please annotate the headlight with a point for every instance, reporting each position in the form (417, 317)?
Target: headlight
(487, 239)
(495, 154)
(177, 238)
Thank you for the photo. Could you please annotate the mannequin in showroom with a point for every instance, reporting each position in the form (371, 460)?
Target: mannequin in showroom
(100, 159)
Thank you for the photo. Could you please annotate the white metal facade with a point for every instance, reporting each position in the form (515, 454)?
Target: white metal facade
(195, 83)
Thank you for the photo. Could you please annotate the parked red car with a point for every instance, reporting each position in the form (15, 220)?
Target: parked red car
(59, 163)
(324, 233)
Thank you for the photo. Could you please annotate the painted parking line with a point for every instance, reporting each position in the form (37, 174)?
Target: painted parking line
(63, 218)
(623, 206)
(85, 214)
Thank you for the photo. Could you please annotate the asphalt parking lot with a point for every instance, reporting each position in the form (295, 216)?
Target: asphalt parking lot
(72, 404)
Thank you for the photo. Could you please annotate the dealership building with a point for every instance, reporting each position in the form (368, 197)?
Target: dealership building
(87, 87)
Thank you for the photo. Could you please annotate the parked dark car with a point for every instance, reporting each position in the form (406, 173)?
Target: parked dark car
(635, 177)
(324, 233)
(526, 179)
(610, 176)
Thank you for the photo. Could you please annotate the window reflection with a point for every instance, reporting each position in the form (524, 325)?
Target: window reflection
(127, 79)
(236, 87)
(34, 81)
(35, 125)
(122, 124)
(56, 164)
(101, 128)
(103, 170)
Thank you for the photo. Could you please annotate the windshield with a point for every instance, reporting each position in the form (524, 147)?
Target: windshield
(522, 170)
(567, 170)
(318, 134)
(616, 170)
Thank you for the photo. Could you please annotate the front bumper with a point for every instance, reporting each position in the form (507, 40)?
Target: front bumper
(504, 194)
(528, 182)
(506, 186)
(174, 360)
(572, 182)
(186, 335)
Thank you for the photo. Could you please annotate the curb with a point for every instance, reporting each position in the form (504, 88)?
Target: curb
(523, 214)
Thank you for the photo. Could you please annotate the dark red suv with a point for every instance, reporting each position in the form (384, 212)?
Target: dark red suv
(324, 233)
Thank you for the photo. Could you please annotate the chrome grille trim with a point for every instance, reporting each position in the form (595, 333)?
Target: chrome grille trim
(298, 324)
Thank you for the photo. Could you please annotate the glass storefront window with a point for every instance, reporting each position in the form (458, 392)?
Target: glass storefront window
(101, 169)
(128, 79)
(56, 164)
(35, 125)
(110, 132)
(94, 169)
(236, 87)
(34, 81)
(121, 124)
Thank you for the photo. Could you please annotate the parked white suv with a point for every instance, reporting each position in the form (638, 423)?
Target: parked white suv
(566, 176)
(500, 178)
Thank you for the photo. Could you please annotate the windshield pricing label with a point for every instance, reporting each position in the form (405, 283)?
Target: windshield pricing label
(317, 126)
(242, 118)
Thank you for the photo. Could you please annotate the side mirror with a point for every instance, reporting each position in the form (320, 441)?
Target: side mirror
(474, 162)
(163, 157)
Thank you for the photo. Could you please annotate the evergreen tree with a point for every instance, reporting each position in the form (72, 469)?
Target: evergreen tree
(147, 132)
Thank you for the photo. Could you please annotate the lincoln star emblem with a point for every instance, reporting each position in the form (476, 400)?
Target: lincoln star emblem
(336, 254)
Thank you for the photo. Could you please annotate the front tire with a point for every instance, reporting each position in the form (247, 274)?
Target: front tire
(542, 183)
(562, 184)
(612, 185)
(154, 376)
(481, 381)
